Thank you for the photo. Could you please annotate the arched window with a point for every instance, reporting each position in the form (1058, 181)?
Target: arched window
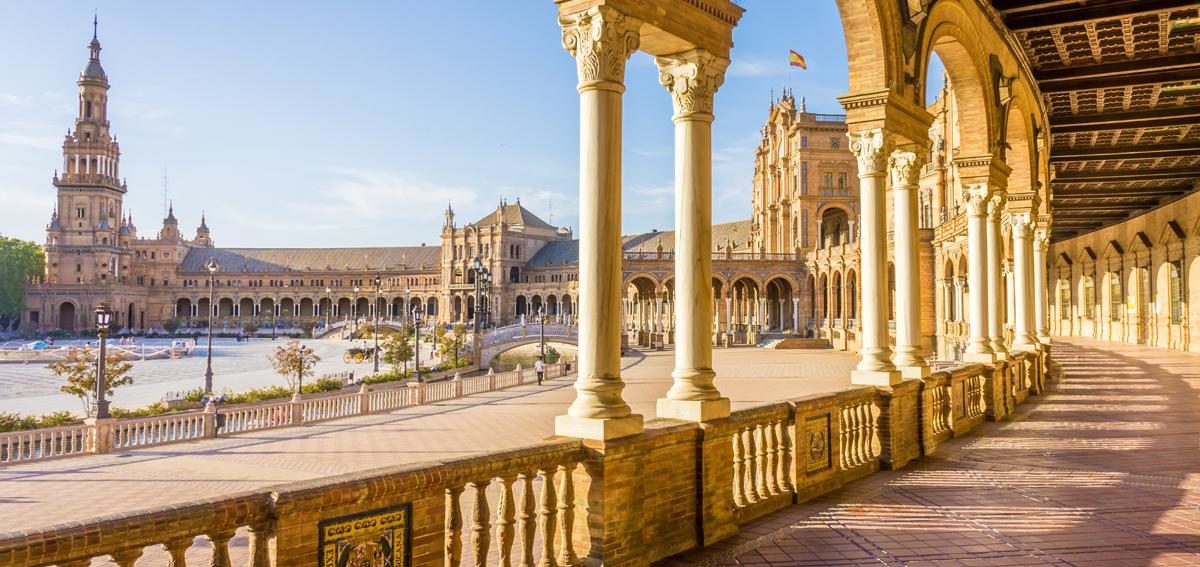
(87, 109)
(1175, 291)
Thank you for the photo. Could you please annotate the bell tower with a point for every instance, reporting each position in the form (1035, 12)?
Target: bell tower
(83, 242)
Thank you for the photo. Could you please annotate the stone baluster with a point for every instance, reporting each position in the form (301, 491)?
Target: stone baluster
(454, 522)
(176, 549)
(761, 466)
(258, 554)
(739, 471)
(781, 456)
(220, 548)
(546, 513)
(772, 454)
(127, 557)
(505, 512)
(751, 457)
(480, 536)
(566, 515)
(526, 527)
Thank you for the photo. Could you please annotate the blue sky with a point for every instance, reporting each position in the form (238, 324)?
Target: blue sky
(334, 124)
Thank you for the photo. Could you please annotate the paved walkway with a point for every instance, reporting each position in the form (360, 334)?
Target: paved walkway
(81, 488)
(1104, 471)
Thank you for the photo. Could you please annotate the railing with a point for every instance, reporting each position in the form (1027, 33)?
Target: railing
(653, 255)
(158, 430)
(40, 444)
(110, 435)
(664, 491)
(531, 329)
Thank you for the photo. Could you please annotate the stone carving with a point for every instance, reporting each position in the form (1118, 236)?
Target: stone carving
(1041, 240)
(377, 538)
(601, 40)
(975, 196)
(693, 78)
(905, 167)
(871, 148)
(816, 432)
(1022, 225)
(996, 205)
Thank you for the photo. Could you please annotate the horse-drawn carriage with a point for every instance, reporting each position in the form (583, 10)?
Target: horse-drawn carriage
(358, 354)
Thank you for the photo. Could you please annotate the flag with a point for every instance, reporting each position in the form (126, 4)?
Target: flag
(796, 60)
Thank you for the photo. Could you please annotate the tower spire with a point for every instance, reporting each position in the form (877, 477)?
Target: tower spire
(95, 25)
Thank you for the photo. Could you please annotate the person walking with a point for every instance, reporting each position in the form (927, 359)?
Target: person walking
(539, 368)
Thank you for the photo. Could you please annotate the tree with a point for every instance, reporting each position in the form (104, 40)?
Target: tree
(307, 327)
(397, 350)
(293, 361)
(250, 327)
(451, 344)
(171, 325)
(19, 260)
(79, 368)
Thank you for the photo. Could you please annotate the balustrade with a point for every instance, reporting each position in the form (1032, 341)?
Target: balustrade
(42, 444)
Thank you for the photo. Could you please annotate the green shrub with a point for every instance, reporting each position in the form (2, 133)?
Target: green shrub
(157, 408)
(16, 422)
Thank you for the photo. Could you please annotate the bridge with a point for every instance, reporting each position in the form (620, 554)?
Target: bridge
(503, 339)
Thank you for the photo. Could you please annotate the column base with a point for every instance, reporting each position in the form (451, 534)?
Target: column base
(693, 410)
(598, 429)
(875, 377)
(915, 372)
(1001, 355)
(984, 357)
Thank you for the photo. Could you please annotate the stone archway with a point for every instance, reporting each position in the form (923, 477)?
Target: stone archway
(67, 316)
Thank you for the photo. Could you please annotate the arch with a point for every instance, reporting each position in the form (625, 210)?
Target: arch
(67, 316)
(456, 308)
(869, 50)
(520, 306)
(822, 301)
(246, 307)
(225, 307)
(1018, 147)
(552, 308)
(470, 308)
(951, 35)
(343, 307)
(535, 304)
(183, 309)
(287, 308)
(852, 294)
(431, 307)
(835, 226)
(306, 307)
(514, 274)
(362, 307)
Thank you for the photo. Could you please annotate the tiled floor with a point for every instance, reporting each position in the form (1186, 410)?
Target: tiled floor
(1102, 471)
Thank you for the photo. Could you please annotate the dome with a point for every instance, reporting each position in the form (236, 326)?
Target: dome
(94, 72)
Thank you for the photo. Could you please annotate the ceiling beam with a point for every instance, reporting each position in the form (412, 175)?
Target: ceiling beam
(1157, 118)
(1105, 207)
(1128, 78)
(1084, 71)
(1061, 155)
(1041, 15)
(1146, 174)
(1099, 193)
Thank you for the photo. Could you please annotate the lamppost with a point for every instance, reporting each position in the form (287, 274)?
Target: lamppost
(212, 266)
(378, 289)
(487, 293)
(300, 370)
(480, 273)
(416, 317)
(542, 330)
(328, 310)
(354, 315)
(404, 312)
(103, 317)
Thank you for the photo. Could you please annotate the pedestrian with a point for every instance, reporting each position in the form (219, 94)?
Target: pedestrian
(539, 367)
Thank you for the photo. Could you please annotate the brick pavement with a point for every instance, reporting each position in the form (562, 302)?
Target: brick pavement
(1102, 471)
(79, 488)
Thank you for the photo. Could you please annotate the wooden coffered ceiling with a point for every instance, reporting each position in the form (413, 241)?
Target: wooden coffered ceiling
(1124, 127)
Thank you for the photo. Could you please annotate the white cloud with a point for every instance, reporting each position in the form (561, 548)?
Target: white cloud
(757, 67)
(37, 142)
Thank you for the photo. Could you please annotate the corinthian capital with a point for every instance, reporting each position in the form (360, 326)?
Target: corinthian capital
(601, 40)
(871, 147)
(905, 167)
(976, 196)
(1022, 225)
(693, 78)
(996, 205)
(1041, 240)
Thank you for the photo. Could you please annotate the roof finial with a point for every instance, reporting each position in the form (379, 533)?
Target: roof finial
(95, 24)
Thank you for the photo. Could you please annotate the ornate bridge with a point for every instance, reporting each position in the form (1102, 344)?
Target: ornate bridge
(503, 339)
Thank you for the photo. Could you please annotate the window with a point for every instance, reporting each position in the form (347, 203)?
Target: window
(841, 183)
(1175, 290)
(1064, 299)
(826, 182)
(803, 142)
(1089, 298)
(80, 212)
(1116, 302)
(87, 109)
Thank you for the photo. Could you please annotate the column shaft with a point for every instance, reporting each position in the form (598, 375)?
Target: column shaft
(601, 40)
(996, 311)
(875, 367)
(979, 345)
(905, 172)
(1040, 247)
(1023, 282)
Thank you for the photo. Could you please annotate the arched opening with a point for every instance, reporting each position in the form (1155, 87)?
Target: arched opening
(246, 308)
(343, 307)
(835, 227)
(431, 307)
(130, 318)
(66, 316)
(183, 310)
(225, 307)
(520, 307)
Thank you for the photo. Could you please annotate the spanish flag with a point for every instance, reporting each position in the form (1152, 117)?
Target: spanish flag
(796, 60)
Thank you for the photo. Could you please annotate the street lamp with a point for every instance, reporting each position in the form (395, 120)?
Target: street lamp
(212, 266)
(487, 292)
(416, 317)
(354, 315)
(480, 272)
(328, 310)
(103, 317)
(404, 312)
(300, 370)
(378, 289)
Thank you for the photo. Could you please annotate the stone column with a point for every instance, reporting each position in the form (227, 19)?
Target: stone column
(729, 313)
(1041, 246)
(979, 345)
(796, 314)
(692, 78)
(905, 169)
(601, 40)
(1023, 282)
(871, 148)
(995, 276)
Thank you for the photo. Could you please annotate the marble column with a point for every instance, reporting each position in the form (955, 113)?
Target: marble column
(995, 276)
(728, 313)
(905, 169)
(1041, 246)
(692, 78)
(601, 40)
(796, 314)
(979, 345)
(1023, 282)
(871, 148)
